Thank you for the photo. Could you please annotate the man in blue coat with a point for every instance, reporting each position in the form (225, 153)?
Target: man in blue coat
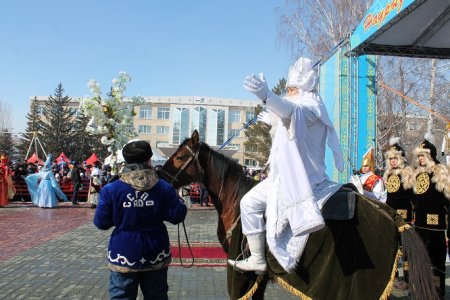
(137, 205)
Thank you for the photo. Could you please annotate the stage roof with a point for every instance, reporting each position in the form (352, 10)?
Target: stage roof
(413, 28)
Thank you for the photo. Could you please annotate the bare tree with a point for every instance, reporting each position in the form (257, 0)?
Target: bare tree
(315, 27)
(426, 82)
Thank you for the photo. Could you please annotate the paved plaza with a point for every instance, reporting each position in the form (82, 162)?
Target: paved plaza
(59, 254)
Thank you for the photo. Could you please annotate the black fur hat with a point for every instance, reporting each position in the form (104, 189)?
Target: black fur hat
(394, 150)
(137, 151)
(426, 147)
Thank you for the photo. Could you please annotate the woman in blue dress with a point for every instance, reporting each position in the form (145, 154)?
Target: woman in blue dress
(43, 187)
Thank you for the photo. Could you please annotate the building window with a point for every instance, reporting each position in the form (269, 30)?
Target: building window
(198, 119)
(40, 110)
(235, 116)
(250, 162)
(180, 125)
(235, 146)
(163, 113)
(234, 132)
(162, 129)
(145, 112)
(144, 129)
(216, 127)
(249, 115)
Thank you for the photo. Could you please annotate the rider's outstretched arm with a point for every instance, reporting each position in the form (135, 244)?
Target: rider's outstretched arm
(280, 106)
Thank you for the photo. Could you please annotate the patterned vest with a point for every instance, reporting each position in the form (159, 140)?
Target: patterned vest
(430, 204)
(398, 198)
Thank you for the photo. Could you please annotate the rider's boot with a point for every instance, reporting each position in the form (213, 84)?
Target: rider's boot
(257, 260)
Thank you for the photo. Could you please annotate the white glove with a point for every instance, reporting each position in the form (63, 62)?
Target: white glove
(258, 86)
(264, 116)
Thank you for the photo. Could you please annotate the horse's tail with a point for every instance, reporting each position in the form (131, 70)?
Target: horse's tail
(421, 281)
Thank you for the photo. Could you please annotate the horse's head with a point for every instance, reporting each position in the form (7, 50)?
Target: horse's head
(183, 167)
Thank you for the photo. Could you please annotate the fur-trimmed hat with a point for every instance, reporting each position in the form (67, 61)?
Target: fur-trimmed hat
(137, 151)
(394, 150)
(302, 75)
(428, 149)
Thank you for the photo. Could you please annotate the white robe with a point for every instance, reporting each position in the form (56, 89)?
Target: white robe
(297, 186)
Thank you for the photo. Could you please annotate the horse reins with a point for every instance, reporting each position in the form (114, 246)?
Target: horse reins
(173, 179)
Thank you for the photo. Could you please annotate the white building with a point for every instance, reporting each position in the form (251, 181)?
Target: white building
(167, 120)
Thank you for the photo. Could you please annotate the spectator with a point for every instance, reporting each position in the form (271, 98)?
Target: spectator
(31, 168)
(75, 176)
(204, 196)
(95, 186)
(195, 193)
(7, 189)
(18, 178)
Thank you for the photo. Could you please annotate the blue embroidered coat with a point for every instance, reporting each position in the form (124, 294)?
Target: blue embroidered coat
(137, 205)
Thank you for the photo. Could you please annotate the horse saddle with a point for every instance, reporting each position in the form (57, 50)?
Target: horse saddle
(341, 206)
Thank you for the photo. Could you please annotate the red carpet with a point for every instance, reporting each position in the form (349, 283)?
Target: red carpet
(205, 254)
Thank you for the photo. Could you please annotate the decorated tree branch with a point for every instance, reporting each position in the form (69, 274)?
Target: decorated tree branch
(111, 116)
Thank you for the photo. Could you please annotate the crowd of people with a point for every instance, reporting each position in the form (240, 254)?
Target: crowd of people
(47, 183)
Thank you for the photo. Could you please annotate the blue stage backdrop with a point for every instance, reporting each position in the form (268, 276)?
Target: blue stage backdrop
(348, 89)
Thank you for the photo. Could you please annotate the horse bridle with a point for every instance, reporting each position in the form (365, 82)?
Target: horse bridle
(174, 178)
(192, 158)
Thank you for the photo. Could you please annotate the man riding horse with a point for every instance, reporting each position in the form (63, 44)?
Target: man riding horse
(297, 188)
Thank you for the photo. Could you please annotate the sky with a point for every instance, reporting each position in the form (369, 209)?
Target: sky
(169, 48)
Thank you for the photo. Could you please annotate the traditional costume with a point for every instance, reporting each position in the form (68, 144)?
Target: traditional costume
(7, 189)
(95, 185)
(43, 187)
(399, 197)
(297, 186)
(369, 184)
(431, 186)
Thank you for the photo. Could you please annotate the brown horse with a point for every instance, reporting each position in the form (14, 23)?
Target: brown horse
(348, 259)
